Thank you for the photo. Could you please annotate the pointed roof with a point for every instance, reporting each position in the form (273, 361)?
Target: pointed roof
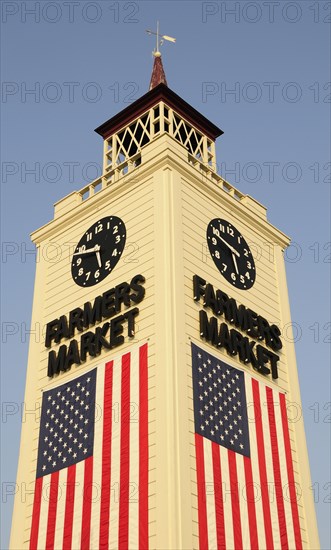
(158, 74)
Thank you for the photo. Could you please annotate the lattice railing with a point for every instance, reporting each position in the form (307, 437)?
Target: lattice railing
(128, 142)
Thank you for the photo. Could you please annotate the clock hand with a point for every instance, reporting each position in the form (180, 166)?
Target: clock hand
(88, 250)
(98, 258)
(233, 250)
(235, 263)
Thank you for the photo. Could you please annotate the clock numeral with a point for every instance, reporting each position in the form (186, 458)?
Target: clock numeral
(242, 279)
(114, 252)
(214, 241)
(247, 275)
(118, 239)
(89, 236)
(217, 254)
(233, 276)
(88, 275)
(115, 230)
(97, 274)
(98, 228)
(230, 231)
(107, 264)
(249, 265)
(239, 240)
(222, 228)
(83, 247)
(216, 232)
(246, 253)
(224, 268)
(79, 261)
(80, 272)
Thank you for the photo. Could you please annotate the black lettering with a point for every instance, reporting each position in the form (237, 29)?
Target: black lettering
(252, 323)
(238, 344)
(208, 328)
(130, 316)
(224, 339)
(276, 342)
(138, 288)
(63, 331)
(51, 330)
(72, 356)
(100, 340)
(262, 358)
(75, 321)
(122, 296)
(87, 345)
(116, 329)
(210, 300)
(198, 287)
(108, 303)
(92, 314)
(56, 361)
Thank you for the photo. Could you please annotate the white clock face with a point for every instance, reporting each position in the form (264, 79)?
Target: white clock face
(98, 251)
(231, 254)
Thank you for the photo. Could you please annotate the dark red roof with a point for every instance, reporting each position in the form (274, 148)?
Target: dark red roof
(158, 74)
(160, 93)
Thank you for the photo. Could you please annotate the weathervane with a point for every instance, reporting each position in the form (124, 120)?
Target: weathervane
(159, 40)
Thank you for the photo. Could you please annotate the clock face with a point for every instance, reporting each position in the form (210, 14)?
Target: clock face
(98, 251)
(231, 254)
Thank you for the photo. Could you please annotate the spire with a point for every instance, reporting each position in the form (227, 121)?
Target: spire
(158, 74)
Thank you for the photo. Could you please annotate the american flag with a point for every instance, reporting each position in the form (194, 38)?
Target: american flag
(245, 478)
(91, 489)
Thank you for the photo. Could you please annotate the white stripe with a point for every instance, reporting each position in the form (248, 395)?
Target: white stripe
(60, 510)
(243, 510)
(210, 497)
(78, 506)
(115, 454)
(134, 452)
(283, 471)
(226, 486)
(97, 457)
(44, 511)
(269, 466)
(255, 464)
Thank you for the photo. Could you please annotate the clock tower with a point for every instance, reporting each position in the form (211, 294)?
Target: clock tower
(166, 397)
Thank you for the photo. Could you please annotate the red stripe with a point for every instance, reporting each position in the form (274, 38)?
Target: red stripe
(123, 527)
(143, 448)
(38, 488)
(236, 522)
(87, 504)
(52, 506)
(201, 482)
(262, 465)
(106, 458)
(218, 492)
(250, 497)
(69, 508)
(276, 468)
(290, 475)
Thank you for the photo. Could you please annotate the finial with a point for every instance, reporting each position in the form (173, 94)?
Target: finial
(159, 40)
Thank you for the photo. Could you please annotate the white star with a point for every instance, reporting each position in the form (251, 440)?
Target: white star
(44, 467)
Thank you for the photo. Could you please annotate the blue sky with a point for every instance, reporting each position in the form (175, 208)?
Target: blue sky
(259, 70)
